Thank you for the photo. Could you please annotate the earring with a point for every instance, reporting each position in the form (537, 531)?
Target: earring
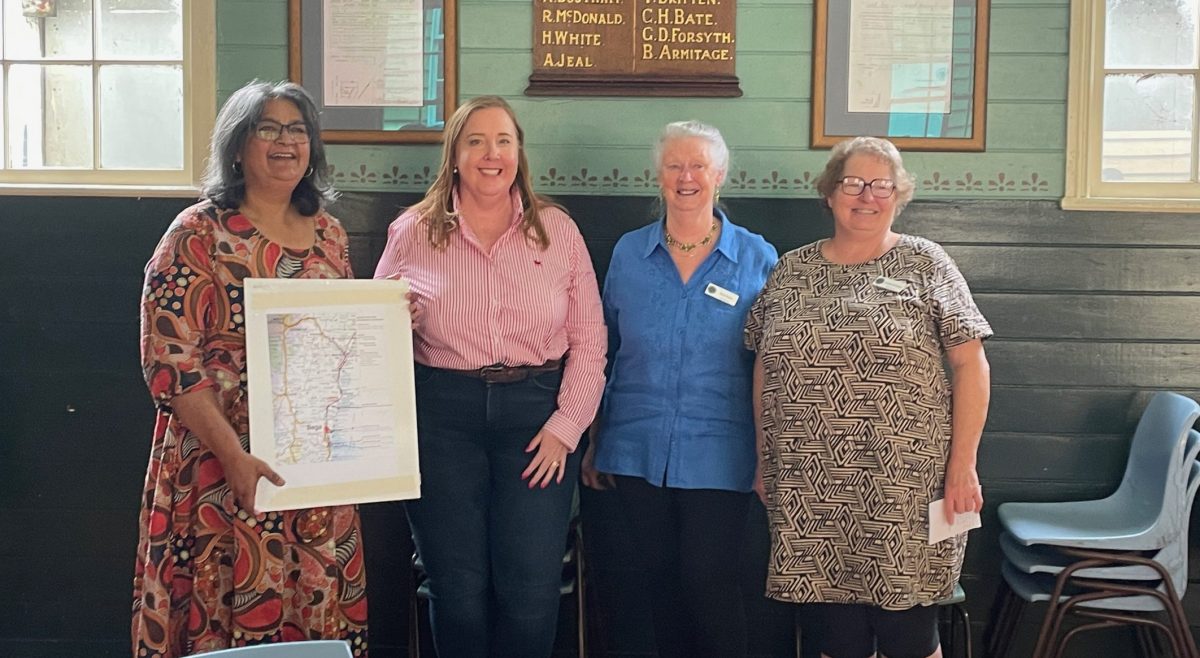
(309, 172)
(456, 171)
(717, 195)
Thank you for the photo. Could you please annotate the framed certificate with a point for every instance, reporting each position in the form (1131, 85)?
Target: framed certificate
(912, 71)
(332, 403)
(380, 71)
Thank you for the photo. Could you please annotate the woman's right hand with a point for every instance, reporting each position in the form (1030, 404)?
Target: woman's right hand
(592, 477)
(242, 474)
(201, 414)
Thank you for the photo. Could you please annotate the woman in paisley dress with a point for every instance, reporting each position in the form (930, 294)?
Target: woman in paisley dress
(212, 573)
(859, 427)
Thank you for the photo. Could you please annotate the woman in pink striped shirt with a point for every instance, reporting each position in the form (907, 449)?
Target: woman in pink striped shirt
(510, 352)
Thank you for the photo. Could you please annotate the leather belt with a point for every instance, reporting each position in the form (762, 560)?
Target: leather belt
(501, 374)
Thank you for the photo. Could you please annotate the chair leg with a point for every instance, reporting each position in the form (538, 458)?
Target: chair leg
(1178, 621)
(580, 596)
(1001, 609)
(1186, 644)
(1141, 621)
(949, 647)
(1177, 627)
(414, 624)
(961, 611)
(1052, 619)
(797, 631)
(1061, 646)
(1006, 612)
(1145, 642)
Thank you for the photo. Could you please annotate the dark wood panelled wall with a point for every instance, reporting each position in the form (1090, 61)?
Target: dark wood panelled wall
(1093, 312)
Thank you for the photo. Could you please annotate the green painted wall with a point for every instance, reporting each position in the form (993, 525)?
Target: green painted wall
(600, 146)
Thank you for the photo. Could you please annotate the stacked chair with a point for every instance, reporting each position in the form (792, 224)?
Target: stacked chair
(1120, 560)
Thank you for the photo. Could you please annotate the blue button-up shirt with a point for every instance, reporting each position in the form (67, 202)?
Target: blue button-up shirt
(677, 408)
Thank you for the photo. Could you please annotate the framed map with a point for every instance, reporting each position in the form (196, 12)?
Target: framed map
(332, 403)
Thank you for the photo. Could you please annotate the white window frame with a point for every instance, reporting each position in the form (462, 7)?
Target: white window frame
(1084, 189)
(199, 112)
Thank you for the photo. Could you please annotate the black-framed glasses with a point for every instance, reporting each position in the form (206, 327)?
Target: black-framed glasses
(881, 188)
(270, 131)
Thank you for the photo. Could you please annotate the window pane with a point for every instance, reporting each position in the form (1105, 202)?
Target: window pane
(1145, 33)
(1147, 128)
(140, 29)
(50, 116)
(65, 35)
(141, 117)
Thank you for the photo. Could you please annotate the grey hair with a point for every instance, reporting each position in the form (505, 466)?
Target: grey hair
(880, 149)
(717, 149)
(224, 183)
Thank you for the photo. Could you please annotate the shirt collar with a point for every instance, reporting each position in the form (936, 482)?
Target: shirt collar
(517, 204)
(725, 244)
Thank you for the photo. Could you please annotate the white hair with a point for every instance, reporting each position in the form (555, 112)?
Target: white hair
(717, 150)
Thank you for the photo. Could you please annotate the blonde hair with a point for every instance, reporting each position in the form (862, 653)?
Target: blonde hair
(880, 149)
(436, 210)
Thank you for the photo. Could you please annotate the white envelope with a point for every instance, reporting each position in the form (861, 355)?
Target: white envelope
(939, 530)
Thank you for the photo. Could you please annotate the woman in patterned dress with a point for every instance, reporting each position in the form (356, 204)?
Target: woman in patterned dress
(859, 428)
(210, 572)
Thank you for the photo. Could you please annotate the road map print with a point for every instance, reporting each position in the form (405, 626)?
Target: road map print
(329, 387)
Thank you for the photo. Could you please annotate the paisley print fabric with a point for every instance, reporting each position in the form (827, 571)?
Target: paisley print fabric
(208, 575)
(856, 419)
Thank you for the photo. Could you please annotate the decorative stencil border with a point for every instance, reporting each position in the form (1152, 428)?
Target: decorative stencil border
(363, 177)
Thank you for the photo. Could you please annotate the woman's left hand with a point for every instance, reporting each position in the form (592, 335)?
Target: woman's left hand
(963, 492)
(414, 307)
(549, 463)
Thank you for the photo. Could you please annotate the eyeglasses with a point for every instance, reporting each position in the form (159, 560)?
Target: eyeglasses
(270, 131)
(881, 188)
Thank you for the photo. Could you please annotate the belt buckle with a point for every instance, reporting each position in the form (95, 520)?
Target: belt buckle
(493, 374)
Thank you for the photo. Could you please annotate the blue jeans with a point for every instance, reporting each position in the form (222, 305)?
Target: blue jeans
(492, 546)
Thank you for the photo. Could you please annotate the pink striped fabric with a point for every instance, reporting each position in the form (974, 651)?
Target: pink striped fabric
(516, 305)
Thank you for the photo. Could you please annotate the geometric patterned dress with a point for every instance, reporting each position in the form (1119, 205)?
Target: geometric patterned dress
(208, 575)
(856, 419)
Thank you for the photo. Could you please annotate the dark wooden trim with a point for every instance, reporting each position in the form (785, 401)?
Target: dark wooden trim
(565, 84)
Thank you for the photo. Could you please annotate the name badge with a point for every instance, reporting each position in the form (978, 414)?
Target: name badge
(720, 294)
(891, 285)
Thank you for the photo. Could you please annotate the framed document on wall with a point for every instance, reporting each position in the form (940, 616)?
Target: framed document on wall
(913, 71)
(381, 71)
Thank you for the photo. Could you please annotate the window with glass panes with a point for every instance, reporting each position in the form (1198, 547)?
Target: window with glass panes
(94, 91)
(1132, 124)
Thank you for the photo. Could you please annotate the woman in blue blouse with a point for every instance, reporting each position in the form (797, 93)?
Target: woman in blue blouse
(676, 434)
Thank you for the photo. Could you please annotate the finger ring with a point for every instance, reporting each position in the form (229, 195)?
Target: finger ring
(553, 464)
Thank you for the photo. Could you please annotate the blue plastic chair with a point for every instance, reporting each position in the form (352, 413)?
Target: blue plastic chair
(1140, 514)
(1046, 558)
(1106, 588)
(1148, 511)
(1110, 601)
(310, 649)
